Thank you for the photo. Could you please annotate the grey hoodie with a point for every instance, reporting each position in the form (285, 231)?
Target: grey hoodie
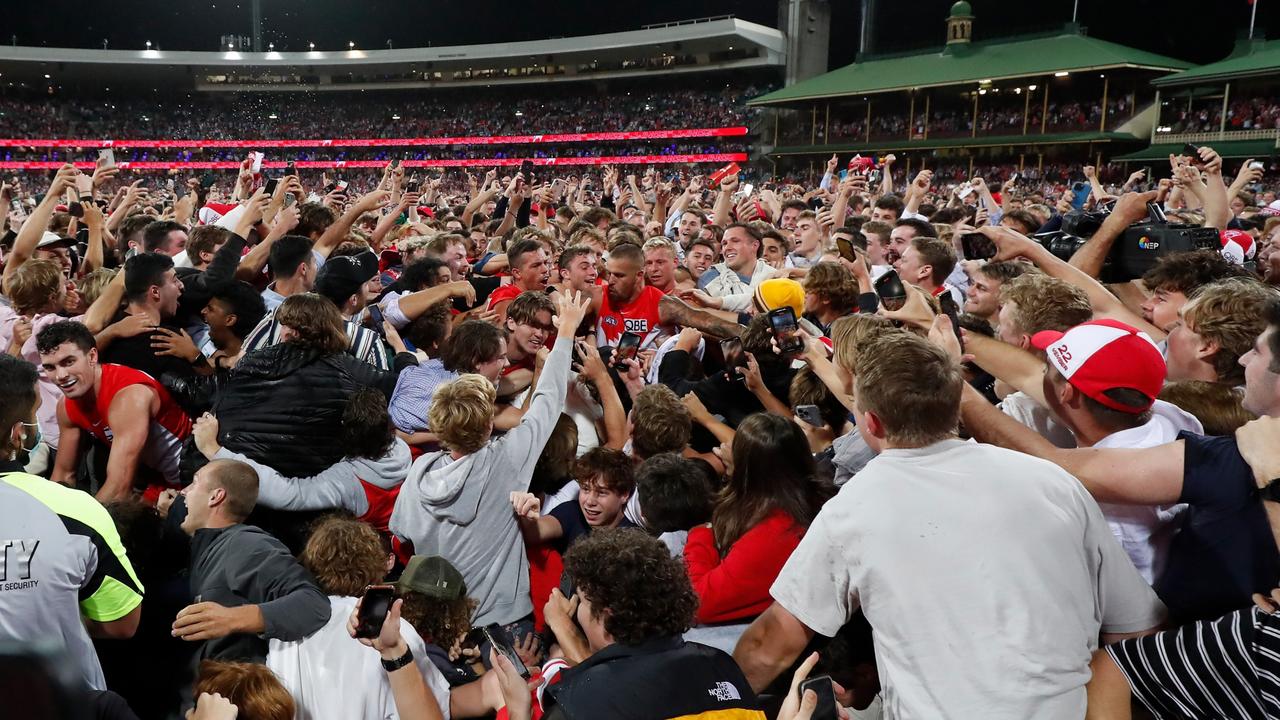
(341, 485)
(461, 509)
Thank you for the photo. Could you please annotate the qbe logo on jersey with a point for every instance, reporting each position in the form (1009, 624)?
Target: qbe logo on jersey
(639, 326)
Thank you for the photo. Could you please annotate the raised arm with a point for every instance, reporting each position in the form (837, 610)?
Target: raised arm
(724, 200)
(24, 245)
(916, 192)
(886, 179)
(338, 231)
(1150, 476)
(130, 419)
(615, 415)
(1016, 367)
(674, 311)
(1011, 244)
(1217, 212)
(251, 265)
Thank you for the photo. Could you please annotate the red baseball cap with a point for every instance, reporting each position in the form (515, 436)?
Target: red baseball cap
(1238, 246)
(1101, 355)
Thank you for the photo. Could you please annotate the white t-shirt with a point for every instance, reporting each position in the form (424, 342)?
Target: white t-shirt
(332, 675)
(986, 574)
(1023, 408)
(1144, 531)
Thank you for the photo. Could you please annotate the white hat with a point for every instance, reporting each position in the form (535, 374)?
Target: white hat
(53, 239)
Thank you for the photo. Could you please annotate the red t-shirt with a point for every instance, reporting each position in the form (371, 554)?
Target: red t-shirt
(503, 293)
(168, 428)
(640, 316)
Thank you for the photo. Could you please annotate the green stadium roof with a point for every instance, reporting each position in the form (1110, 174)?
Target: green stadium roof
(1022, 56)
(1252, 58)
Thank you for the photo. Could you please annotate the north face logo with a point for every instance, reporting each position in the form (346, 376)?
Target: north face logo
(724, 692)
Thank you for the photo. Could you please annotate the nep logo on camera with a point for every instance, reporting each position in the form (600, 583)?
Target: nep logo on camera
(1146, 243)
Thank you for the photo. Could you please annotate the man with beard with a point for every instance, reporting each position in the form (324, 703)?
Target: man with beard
(628, 305)
(902, 234)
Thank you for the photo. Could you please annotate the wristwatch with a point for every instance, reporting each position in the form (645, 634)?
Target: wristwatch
(394, 665)
(1271, 491)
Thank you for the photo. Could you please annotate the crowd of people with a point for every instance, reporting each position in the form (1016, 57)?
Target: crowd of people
(942, 122)
(384, 154)
(1256, 112)
(368, 114)
(639, 444)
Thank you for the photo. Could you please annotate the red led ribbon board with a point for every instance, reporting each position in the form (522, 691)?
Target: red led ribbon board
(383, 142)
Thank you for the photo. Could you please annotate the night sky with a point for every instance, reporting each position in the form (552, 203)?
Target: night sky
(1200, 32)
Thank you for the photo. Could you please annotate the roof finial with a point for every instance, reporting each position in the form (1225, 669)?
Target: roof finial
(960, 23)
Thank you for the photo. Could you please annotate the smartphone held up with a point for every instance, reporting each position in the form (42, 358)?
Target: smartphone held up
(374, 607)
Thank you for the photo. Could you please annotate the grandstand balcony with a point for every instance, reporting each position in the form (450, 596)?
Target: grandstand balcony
(1025, 95)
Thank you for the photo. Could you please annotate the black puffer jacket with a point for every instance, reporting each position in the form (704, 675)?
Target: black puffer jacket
(282, 405)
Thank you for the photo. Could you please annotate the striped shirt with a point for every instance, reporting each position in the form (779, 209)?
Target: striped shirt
(1224, 668)
(415, 387)
(365, 344)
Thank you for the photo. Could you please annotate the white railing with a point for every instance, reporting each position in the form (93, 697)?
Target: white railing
(1202, 137)
(693, 21)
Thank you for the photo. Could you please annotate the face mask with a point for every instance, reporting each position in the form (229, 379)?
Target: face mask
(30, 441)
